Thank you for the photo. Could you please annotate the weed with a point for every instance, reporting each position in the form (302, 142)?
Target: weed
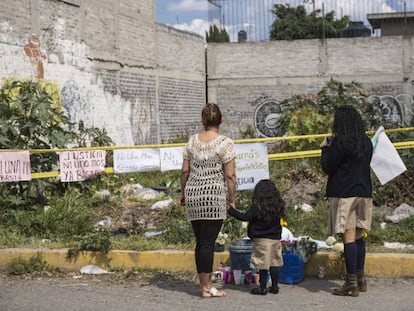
(402, 232)
(64, 217)
(10, 237)
(98, 241)
(20, 266)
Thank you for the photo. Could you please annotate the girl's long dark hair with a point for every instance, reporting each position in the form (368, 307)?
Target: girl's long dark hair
(349, 131)
(268, 200)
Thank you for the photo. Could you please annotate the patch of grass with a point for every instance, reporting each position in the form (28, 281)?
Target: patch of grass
(177, 229)
(63, 217)
(10, 237)
(402, 232)
(142, 243)
(98, 241)
(312, 224)
(20, 266)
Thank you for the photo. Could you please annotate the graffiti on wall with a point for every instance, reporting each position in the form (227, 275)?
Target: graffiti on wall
(36, 55)
(73, 102)
(95, 107)
(398, 110)
(266, 117)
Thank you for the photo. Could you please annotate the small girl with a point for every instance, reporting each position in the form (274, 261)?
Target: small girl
(264, 229)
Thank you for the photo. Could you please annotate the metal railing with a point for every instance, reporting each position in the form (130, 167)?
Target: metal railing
(254, 17)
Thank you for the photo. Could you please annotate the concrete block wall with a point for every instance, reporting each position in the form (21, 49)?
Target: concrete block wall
(145, 83)
(114, 65)
(249, 80)
(181, 84)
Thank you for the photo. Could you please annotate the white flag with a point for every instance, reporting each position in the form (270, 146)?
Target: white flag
(386, 162)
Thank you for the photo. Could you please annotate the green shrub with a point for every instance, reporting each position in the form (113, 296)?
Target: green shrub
(20, 266)
(11, 237)
(97, 241)
(177, 229)
(313, 114)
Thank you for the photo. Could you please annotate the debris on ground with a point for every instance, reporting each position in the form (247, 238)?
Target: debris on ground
(400, 213)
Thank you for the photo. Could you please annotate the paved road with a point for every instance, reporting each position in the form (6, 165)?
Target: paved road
(90, 294)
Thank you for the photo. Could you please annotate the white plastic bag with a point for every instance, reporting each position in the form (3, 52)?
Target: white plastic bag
(386, 162)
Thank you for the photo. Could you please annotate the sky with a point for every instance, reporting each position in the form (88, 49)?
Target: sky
(192, 15)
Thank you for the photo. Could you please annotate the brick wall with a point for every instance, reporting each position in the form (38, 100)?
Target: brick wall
(181, 102)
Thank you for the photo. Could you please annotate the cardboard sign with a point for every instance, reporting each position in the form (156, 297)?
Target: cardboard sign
(136, 160)
(252, 165)
(81, 165)
(15, 166)
(171, 158)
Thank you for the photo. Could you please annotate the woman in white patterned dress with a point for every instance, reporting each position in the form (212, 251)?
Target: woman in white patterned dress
(208, 186)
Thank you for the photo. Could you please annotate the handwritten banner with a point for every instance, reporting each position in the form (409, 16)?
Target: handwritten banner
(252, 165)
(81, 165)
(15, 166)
(136, 160)
(171, 158)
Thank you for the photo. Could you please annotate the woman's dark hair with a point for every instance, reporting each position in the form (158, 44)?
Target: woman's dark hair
(268, 200)
(349, 131)
(211, 115)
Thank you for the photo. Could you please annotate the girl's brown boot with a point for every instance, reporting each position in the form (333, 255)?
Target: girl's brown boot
(362, 282)
(349, 288)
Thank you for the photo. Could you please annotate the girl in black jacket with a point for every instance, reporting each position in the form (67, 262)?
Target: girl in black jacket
(264, 229)
(346, 160)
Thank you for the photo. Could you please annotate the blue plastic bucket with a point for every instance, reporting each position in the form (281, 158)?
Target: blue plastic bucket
(240, 254)
(293, 269)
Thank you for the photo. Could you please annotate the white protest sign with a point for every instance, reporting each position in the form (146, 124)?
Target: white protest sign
(171, 158)
(81, 165)
(15, 166)
(386, 162)
(252, 165)
(136, 160)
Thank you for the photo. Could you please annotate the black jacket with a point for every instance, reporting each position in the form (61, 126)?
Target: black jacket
(257, 228)
(347, 176)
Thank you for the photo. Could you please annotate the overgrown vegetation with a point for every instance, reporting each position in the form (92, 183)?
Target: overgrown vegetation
(32, 117)
(50, 213)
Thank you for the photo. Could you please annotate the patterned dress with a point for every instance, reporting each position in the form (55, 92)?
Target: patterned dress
(205, 190)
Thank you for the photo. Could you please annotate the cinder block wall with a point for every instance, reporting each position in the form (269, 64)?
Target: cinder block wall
(249, 80)
(145, 83)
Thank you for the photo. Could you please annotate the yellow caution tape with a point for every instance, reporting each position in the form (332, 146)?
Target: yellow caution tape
(271, 157)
